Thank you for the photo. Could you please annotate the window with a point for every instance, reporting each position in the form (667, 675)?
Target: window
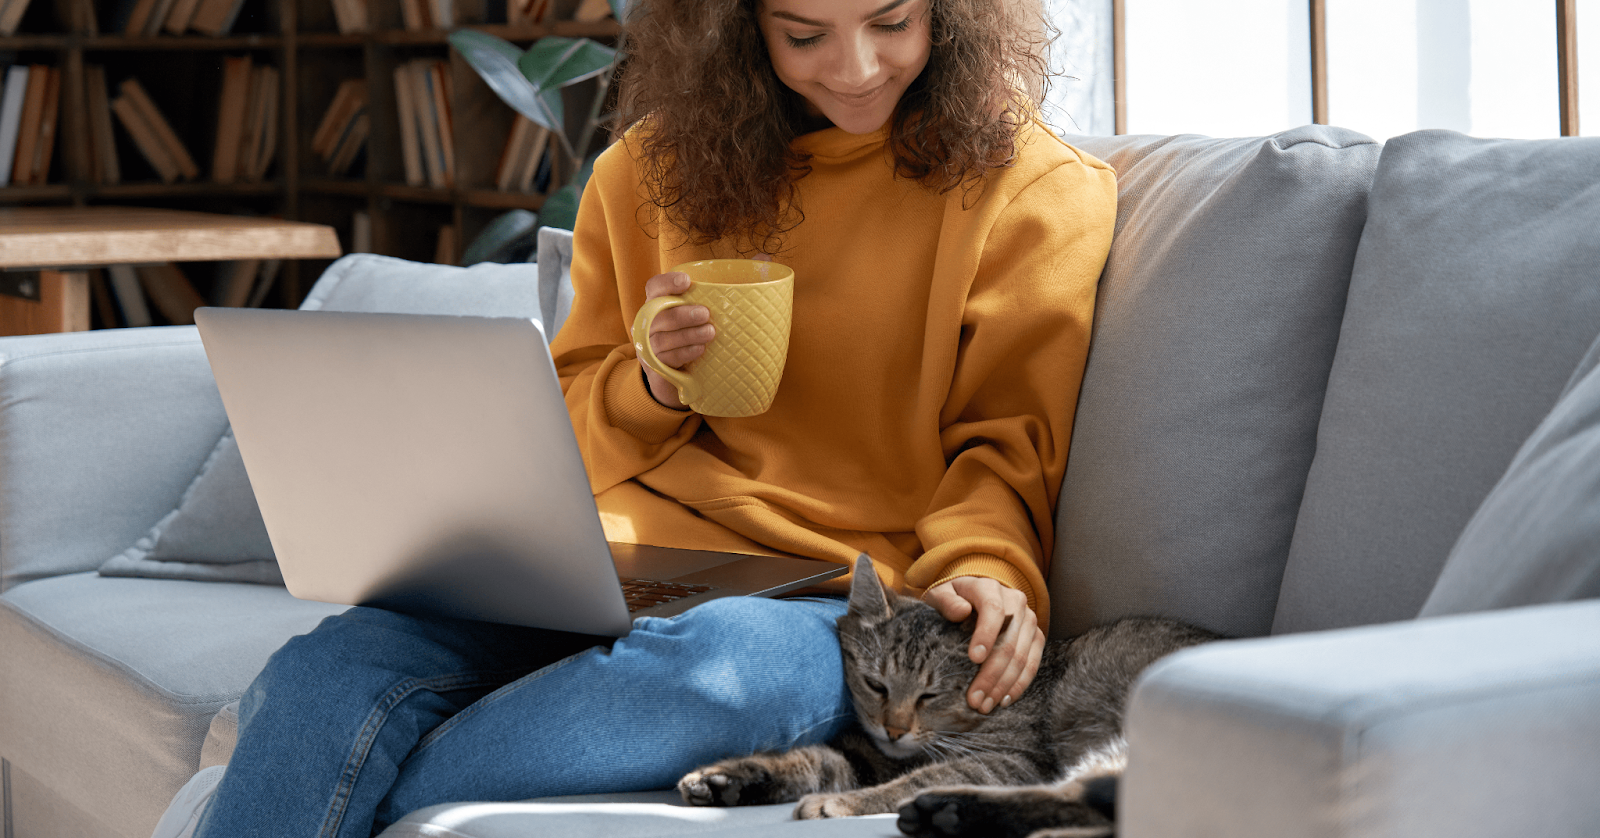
(1244, 67)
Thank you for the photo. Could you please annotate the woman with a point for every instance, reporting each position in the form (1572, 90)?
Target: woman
(946, 249)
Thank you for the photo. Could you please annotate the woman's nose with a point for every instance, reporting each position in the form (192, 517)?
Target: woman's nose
(858, 66)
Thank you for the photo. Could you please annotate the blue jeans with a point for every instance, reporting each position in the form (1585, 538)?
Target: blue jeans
(375, 714)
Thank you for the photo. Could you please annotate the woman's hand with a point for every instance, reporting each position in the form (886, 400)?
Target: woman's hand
(1006, 641)
(678, 335)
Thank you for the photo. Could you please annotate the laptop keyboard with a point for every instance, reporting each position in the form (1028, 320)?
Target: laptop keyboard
(645, 593)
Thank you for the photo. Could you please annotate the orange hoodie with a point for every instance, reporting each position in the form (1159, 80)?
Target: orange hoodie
(934, 364)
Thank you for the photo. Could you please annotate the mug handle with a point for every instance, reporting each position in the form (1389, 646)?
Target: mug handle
(641, 344)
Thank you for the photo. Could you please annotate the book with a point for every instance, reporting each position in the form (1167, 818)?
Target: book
(350, 15)
(135, 93)
(534, 158)
(103, 165)
(264, 279)
(216, 17)
(145, 139)
(360, 232)
(16, 91)
(439, 87)
(511, 155)
(171, 292)
(590, 11)
(44, 150)
(232, 111)
(21, 161)
(414, 15)
(11, 16)
(181, 15)
(349, 100)
(417, 78)
(444, 251)
(410, 139)
(442, 14)
(235, 281)
(350, 145)
(130, 298)
(139, 18)
(262, 134)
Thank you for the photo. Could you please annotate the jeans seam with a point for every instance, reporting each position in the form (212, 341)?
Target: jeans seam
(369, 733)
(494, 697)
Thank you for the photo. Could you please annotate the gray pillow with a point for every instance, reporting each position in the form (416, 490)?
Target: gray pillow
(1215, 327)
(1536, 538)
(216, 533)
(1475, 293)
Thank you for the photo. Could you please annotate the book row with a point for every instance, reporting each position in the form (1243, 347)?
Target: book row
(423, 15)
(134, 295)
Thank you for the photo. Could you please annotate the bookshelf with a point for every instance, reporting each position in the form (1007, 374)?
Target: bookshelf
(183, 76)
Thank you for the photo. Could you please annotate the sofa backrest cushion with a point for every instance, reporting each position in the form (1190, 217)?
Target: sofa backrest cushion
(1216, 323)
(216, 533)
(1476, 291)
(1536, 538)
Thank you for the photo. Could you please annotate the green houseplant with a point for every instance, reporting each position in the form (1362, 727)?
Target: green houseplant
(532, 82)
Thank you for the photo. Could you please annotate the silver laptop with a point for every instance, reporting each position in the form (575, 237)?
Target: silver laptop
(428, 463)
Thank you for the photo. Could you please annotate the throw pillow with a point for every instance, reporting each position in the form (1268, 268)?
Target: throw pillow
(216, 534)
(1536, 538)
(1474, 295)
(1215, 327)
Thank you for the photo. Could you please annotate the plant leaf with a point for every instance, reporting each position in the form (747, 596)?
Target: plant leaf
(561, 208)
(496, 61)
(553, 63)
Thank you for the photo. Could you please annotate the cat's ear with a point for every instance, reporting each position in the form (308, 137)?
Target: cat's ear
(868, 598)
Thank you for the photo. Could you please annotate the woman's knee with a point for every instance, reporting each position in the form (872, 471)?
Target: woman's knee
(750, 654)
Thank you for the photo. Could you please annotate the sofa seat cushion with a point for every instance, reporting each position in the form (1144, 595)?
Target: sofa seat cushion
(110, 683)
(1474, 296)
(633, 815)
(1214, 331)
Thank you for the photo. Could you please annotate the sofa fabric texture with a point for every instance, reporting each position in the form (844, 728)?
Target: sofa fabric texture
(1214, 332)
(1474, 296)
(1471, 726)
(1545, 511)
(118, 681)
(117, 421)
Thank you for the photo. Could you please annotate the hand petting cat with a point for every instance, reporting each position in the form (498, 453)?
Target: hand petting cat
(1006, 639)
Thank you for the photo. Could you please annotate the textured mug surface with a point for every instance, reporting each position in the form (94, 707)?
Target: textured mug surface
(751, 304)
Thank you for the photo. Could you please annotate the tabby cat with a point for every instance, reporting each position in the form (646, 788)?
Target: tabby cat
(1046, 765)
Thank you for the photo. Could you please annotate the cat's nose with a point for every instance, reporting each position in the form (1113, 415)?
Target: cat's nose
(894, 732)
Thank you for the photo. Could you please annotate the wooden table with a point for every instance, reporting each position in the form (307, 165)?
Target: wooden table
(62, 242)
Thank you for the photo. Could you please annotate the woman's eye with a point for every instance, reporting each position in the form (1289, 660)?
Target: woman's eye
(802, 43)
(897, 27)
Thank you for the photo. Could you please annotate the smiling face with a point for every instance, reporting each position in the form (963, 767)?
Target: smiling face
(851, 60)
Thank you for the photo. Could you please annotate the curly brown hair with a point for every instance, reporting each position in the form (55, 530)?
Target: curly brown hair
(716, 156)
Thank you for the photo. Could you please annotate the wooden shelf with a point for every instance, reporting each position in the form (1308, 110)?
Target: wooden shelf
(300, 38)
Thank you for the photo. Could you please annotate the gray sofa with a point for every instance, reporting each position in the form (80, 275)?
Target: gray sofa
(1342, 403)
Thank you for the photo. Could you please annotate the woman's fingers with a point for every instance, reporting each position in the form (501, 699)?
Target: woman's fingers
(1006, 639)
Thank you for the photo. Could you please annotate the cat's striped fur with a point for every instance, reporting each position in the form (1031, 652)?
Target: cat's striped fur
(1048, 762)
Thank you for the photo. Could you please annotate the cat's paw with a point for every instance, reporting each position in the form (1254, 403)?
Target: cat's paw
(1001, 813)
(843, 805)
(731, 783)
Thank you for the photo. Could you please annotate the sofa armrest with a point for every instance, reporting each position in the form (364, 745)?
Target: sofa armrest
(100, 433)
(1476, 725)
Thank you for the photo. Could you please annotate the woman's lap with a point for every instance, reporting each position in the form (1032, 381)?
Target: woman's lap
(374, 706)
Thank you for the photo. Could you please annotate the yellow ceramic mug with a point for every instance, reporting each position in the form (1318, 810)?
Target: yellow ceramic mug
(751, 303)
